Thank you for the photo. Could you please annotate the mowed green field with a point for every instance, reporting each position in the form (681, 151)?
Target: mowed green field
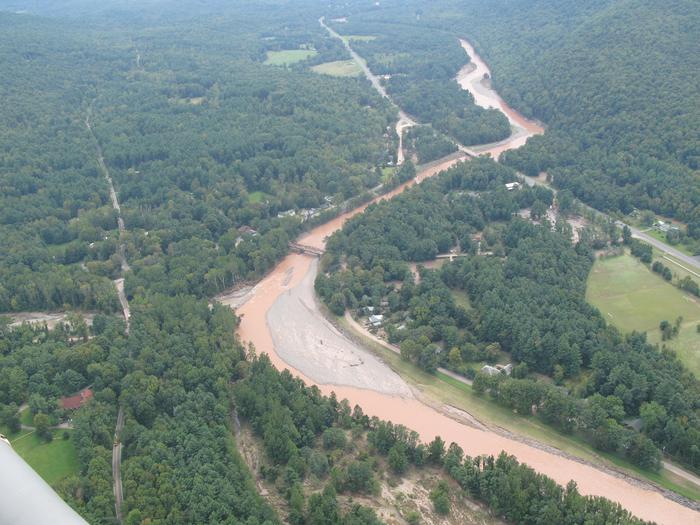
(53, 461)
(338, 68)
(288, 56)
(631, 297)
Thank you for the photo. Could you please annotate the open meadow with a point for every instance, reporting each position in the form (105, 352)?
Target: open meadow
(288, 56)
(338, 68)
(632, 297)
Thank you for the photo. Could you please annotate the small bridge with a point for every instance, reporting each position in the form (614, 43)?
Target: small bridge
(305, 249)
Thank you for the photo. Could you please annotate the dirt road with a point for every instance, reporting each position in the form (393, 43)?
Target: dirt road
(117, 465)
(357, 327)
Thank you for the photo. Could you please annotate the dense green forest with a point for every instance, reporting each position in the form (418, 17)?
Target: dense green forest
(54, 204)
(303, 431)
(526, 288)
(427, 144)
(206, 146)
(419, 67)
(182, 376)
(613, 80)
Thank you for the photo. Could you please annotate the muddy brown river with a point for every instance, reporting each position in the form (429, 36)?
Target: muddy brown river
(280, 316)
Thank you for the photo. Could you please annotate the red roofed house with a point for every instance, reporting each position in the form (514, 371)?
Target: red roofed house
(76, 401)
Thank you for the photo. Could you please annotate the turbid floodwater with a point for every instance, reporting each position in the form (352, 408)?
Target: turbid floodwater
(475, 78)
(281, 318)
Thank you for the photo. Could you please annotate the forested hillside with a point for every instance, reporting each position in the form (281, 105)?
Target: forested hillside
(54, 203)
(615, 82)
(205, 143)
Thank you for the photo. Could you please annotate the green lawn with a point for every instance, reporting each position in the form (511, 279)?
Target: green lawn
(632, 297)
(338, 68)
(288, 56)
(257, 197)
(26, 417)
(53, 461)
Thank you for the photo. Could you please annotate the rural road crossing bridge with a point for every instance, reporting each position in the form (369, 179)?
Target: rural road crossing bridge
(305, 249)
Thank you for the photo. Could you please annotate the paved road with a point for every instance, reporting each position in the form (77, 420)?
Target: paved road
(117, 465)
(662, 246)
(692, 262)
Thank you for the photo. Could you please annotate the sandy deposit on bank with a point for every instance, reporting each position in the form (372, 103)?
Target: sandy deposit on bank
(471, 78)
(52, 319)
(328, 357)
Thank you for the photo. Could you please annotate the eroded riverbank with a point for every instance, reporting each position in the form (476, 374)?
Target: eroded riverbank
(475, 78)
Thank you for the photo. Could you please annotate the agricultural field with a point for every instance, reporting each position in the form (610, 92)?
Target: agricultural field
(338, 68)
(632, 297)
(288, 56)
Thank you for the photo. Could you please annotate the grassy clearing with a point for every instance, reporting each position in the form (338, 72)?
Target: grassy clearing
(288, 56)
(632, 297)
(26, 417)
(338, 68)
(53, 461)
(359, 38)
(447, 390)
(257, 197)
(461, 298)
